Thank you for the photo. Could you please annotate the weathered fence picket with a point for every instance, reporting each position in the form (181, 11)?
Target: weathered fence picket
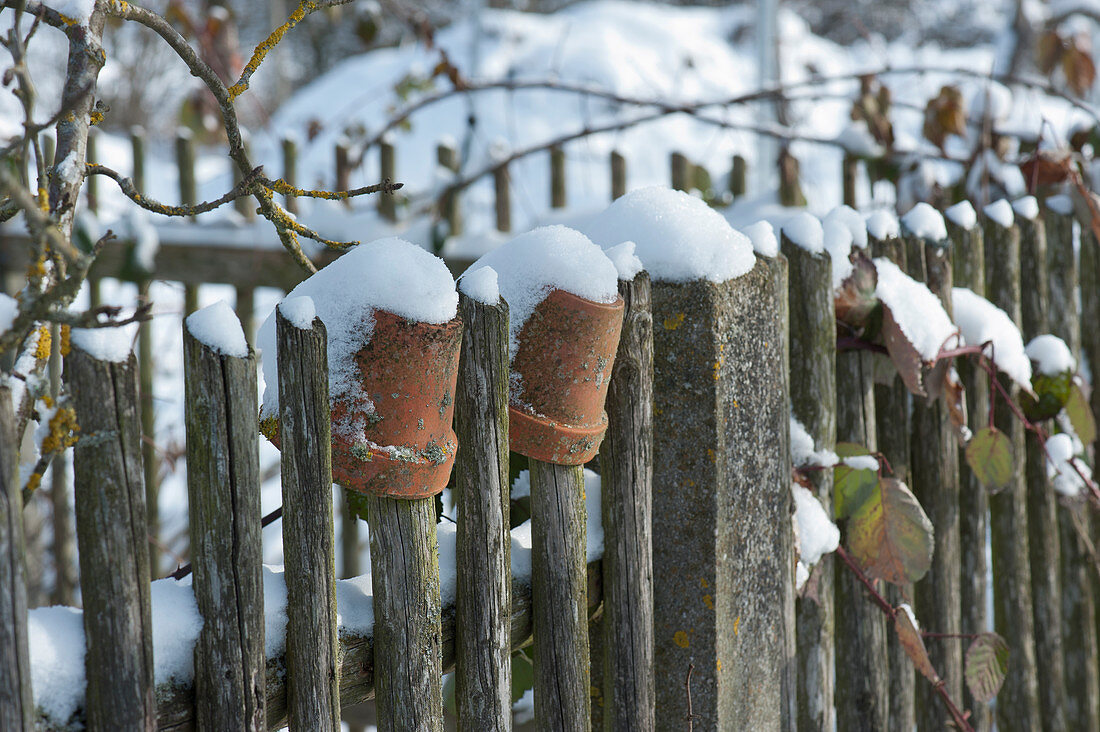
(312, 646)
(185, 164)
(502, 188)
(1042, 503)
(290, 172)
(557, 177)
(16, 703)
(813, 404)
(387, 200)
(447, 157)
(112, 541)
(626, 464)
(1018, 701)
(483, 600)
(618, 175)
(738, 176)
(223, 491)
(64, 540)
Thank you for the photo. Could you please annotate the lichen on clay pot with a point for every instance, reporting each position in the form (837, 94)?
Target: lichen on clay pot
(390, 310)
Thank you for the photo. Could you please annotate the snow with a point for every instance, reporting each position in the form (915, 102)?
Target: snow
(678, 237)
(55, 636)
(481, 285)
(625, 260)
(299, 311)
(1026, 208)
(994, 98)
(1063, 467)
(853, 220)
(815, 534)
(388, 274)
(217, 326)
(883, 225)
(1051, 354)
(523, 710)
(963, 215)
(1060, 204)
(805, 231)
(908, 609)
(861, 462)
(858, 140)
(803, 453)
(980, 321)
(762, 236)
(106, 344)
(925, 222)
(137, 225)
(9, 308)
(548, 258)
(69, 170)
(838, 243)
(78, 10)
(916, 310)
(1000, 213)
(175, 630)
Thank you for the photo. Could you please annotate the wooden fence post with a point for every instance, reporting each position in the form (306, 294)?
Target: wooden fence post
(185, 163)
(969, 272)
(112, 541)
(1042, 503)
(560, 596)
(290, 172)
(557, 177)
(137, 158)
(387, 200)
(849, 173)
(935, 482)
(349, 539)
(502, 188)
(483, 668)
(681, 172)
(892, 437)
(16, 704)
(150, 458)
(91, 183)
(1082, 675)
(626, 464)
(223, 498)
(813, 401)
(790, 188)
(721, 505)
(1090, 306)
(1018, 701)
(738, 177)
(862, 660)
(245, 308)
(64, 549)
(447, 156)
(312, 648)
(618, 175)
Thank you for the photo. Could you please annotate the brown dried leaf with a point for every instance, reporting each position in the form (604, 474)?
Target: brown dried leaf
(906, 359)
(945, 115)
(855, 299)
(954, 394)
(1046, 167)
(911, 641)
(1048, 51)
(1078, 66)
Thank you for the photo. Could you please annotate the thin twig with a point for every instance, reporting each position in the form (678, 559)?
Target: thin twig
(185, 569)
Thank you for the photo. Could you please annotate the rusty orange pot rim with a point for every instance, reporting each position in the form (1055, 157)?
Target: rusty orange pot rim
(596, 304)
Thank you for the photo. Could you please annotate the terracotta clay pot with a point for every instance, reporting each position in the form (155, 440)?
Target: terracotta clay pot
(407, 446)
(559, 378)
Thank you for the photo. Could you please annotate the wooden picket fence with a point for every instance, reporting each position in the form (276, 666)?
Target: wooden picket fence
(691, 619)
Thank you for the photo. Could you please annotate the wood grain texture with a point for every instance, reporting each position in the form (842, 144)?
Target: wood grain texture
(626, 464)
(1042, 504)
(407, 621)
(813, 401)
(1018, 701)
(150, 458)
(1082, 674)
(969, 271)
(223, 498)
(112, 541)
(483, 677)
(559, 592)
(862, 661)
(934, 478)
(312, 648)
(892, 401)
(16, 704)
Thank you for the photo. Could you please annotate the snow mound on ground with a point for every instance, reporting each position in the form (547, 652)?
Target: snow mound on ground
(217, 327)
(678, 237)
(980, 321)
(391, 275)
(916, 310)
(1051, 354)
(549, 258)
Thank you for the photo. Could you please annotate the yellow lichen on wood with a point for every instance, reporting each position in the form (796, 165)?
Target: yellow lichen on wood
(33, 482)
(42, 348)
(66, 340)
(62, 431)
(674, 322)
(305, 7)
(282, 187)
(680, 638)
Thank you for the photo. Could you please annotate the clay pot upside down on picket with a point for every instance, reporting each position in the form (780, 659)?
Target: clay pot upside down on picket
(407, 447)
(559, 378)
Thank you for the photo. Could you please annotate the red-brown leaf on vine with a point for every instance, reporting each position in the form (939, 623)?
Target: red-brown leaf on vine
(913, 644)
(903, 353)
(890, 534)
(855, 300)
(944, 115)
(986, 666)
(1046, 167)
(954, 395)
(989, 455)
(1078, 66)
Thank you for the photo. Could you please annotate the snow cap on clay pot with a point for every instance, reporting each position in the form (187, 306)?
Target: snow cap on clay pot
(565, 315)
(390, 309)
